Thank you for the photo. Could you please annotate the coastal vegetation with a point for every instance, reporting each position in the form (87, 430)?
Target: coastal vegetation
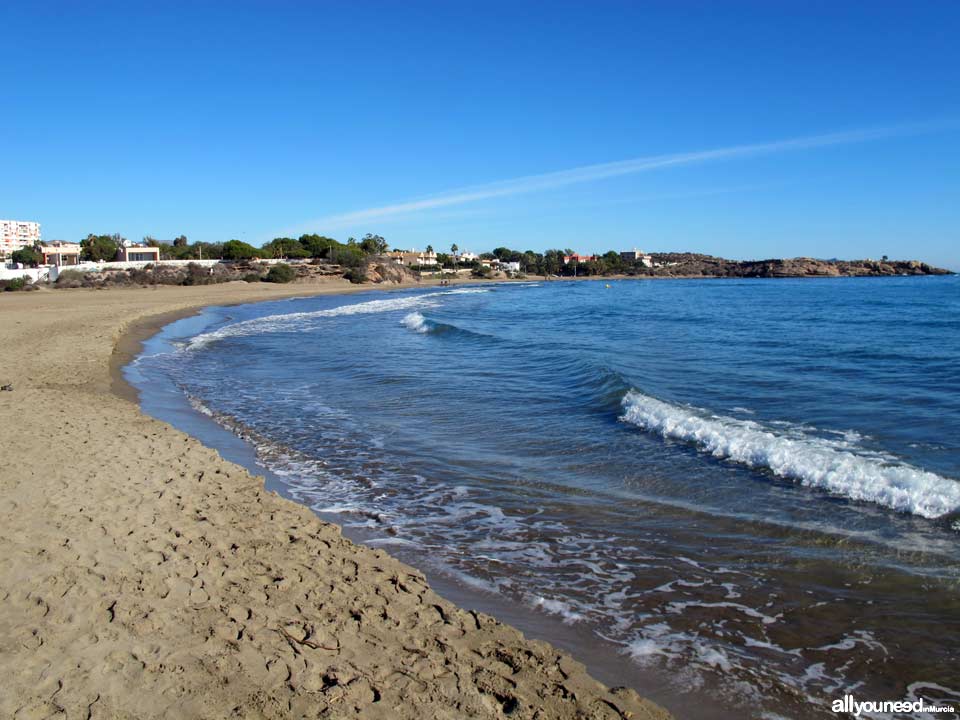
(369, 260)
(28, 257)
(282, 273)
(99, 248)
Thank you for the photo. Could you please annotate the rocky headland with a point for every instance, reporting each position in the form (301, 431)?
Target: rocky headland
(695, 264)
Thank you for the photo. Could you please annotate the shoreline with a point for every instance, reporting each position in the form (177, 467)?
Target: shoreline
(168, 578)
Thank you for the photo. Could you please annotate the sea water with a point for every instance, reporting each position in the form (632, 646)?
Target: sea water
(739, 492)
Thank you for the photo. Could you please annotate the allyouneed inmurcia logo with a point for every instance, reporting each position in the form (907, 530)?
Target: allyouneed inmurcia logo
(853, 707)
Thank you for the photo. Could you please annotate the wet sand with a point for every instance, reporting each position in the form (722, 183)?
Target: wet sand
(143, 576)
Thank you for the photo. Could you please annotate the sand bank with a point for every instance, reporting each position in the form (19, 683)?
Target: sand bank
(142, 576)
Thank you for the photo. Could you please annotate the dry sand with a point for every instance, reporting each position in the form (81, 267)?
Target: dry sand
(142, 576)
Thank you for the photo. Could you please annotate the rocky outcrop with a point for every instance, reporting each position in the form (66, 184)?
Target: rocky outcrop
(693, 264)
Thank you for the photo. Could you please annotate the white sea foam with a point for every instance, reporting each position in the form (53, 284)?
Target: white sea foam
(294, 321)
(416, 322)
(467, 291)
(558, 607)
(812, 461)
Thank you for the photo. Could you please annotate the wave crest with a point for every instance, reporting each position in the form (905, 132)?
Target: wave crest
(416, 322)
(811, 461)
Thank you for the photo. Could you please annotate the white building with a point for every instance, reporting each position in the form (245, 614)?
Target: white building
(16, 235)
(414, 258)
(467, 257)
(510, 267)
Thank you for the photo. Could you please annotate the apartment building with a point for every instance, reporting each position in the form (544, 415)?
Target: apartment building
(16, 235)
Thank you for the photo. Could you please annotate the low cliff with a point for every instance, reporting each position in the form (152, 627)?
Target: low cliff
(687, 264)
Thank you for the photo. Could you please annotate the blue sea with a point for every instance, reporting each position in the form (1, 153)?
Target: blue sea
(737, 496)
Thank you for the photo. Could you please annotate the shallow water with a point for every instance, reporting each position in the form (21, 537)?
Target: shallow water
(747, 491)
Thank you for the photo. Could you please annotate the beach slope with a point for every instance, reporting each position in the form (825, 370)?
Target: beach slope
(142, 576)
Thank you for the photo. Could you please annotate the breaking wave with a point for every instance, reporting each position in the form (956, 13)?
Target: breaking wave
(814, 462)
(285, 322)
(416, 322)
(295, 321)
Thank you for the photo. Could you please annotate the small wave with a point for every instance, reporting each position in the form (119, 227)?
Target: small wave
(811, 461)
(293, 321)
(557, 607)
(416, 322)
(467, 291)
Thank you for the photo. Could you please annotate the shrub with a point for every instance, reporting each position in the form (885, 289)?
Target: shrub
(197, 275)
(355, 275)
(71, 279)
(251, 277)
(281, 273)
(482, 272)
(19, 283)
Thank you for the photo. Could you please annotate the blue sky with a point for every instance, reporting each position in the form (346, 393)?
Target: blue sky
(253, 120)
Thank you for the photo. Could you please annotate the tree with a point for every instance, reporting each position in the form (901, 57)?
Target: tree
(552, 261)
(317, 246)
(350, 256)
(453, 251)
(180, 241)
(211, 251)
(238, 250)
(429, 249)
(26, 256)
(285, 248)
(100, 248)
(373, 244)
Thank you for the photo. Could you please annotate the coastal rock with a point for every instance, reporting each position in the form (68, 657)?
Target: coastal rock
(697, 265)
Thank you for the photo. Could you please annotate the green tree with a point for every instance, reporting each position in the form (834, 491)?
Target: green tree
(552, 262)
(317, 246)
(180, 241)
(239, 250)
(26, 256)
(99, 248)
(453, 251)
(373, 244)
(285, 248)
(210, 251)
(350, 256)
(429, 249)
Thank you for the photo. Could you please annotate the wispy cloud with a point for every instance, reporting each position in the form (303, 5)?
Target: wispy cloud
(601, 171)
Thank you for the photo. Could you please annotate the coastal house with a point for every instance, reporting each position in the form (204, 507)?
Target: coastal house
(413, 258)
(60, 253)
(467, 257)
(510, 267)
(134, 252)
(632, 256)
(567, 259)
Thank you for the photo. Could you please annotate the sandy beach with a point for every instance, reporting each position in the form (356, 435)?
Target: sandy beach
(143, 576)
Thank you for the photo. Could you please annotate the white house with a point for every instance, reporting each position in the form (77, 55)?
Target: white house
(413, 258)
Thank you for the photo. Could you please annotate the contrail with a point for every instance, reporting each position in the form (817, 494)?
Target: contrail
(589, 173)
